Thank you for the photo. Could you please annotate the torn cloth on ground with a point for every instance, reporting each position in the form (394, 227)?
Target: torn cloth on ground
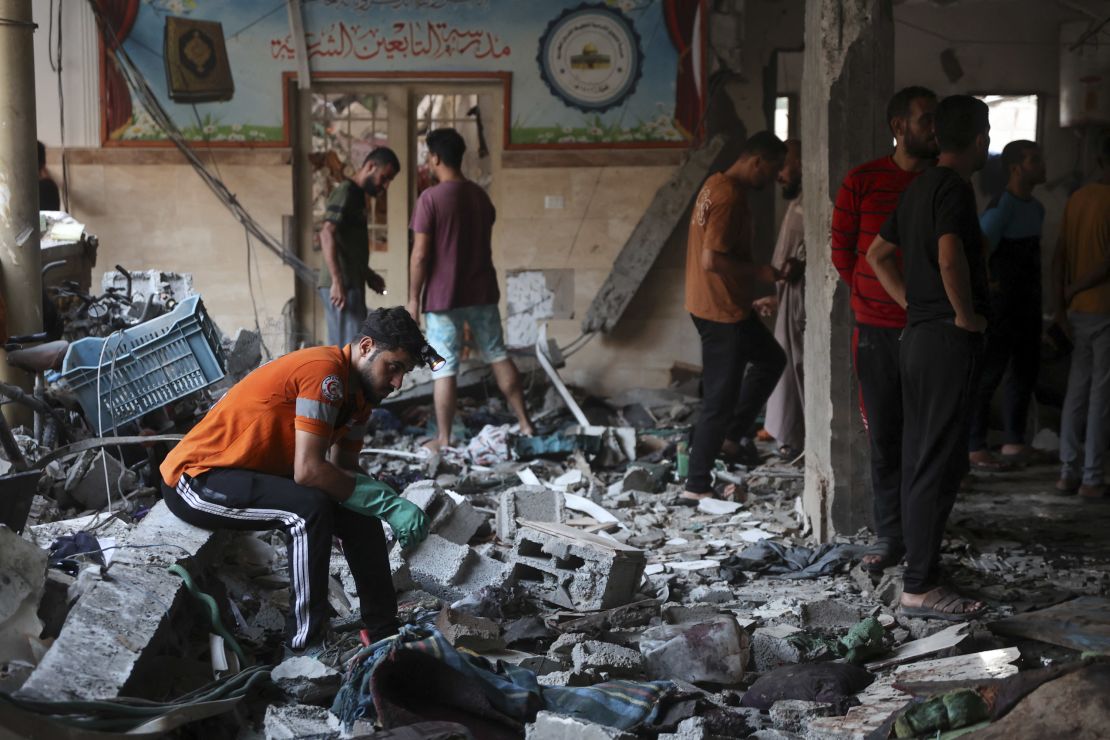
(778, 561)
(64, 549)
(490, 446)
(864, 641)
(828, 683)
(418, 675)
(948, 711)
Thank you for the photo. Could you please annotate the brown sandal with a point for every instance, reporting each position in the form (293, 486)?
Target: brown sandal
(941, 603)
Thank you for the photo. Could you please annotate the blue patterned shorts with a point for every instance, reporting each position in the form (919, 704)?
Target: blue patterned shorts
(445, 334)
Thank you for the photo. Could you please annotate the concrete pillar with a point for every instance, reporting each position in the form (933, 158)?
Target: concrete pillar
(20, 258)
(847, 80)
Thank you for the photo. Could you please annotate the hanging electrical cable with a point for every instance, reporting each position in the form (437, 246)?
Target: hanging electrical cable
(146, 96)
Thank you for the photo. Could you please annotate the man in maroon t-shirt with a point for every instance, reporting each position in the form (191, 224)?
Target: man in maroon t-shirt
(452, 279)
(869, 194)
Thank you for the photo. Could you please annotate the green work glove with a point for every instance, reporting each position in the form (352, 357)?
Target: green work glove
(377, 499)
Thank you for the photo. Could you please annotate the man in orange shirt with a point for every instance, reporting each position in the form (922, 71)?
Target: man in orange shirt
(280, 451)
(719, 283)
(1081, 278)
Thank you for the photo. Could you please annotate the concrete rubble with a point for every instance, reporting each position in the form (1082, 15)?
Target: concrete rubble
(579, 565)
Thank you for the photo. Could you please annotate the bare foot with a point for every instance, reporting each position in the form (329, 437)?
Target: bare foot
(527, 430)
(1023, 450)
(691, 495)
(435, 445)
(735, 493)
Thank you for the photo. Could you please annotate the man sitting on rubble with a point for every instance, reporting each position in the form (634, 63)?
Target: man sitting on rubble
(280, 451)
(720, 278)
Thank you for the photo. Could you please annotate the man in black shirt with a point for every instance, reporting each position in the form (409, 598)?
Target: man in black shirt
(943, 286)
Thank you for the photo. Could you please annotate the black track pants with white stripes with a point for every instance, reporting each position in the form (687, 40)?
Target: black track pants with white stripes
(244, 499)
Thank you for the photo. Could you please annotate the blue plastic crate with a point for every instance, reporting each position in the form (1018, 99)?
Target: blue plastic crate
(145, 367)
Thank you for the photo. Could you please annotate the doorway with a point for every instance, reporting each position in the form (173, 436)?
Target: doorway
(339, 121)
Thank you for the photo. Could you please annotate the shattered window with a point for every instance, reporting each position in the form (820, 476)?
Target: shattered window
(1013, 117)
(782, 117)
(345, 128)
(464, 114)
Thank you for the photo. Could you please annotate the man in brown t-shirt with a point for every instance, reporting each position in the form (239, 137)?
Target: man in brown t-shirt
(720, 277)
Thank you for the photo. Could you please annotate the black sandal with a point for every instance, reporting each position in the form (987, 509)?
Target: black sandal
(889, 551)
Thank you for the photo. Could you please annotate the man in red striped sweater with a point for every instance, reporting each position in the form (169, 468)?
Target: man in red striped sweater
(868, 195)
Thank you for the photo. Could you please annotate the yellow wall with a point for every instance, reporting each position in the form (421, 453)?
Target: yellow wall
(602, 207)
(156, 216)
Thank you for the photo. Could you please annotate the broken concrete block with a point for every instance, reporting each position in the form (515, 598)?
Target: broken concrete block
(711, 595)
(399, 568)
(22, 581)
(468, 631)
(771, 647)
(449, 570)
(298, 722)
(639, 478)
(105, 639)
(533, 503)
(605, 658)
(464, 523)
(455, 521)
(563, 646)
(675, 613)
(437, 564)
(575, 569)
(551, 726)
(86, 479)
(793, 715)
(307, 680)
(692, 728)
(715, 651)
(481, 571)
(830, 614)
(432, 501)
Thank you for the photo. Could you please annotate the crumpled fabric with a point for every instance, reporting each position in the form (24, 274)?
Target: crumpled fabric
(490, 446)
(864, 641)
(778, 561)
(64, 549)
(828, 683)
(492, 698)
(949, 711)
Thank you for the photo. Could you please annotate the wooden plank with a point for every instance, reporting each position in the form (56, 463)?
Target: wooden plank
(665, 215)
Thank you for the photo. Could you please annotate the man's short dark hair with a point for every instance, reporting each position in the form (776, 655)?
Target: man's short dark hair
(899, 105)
(383, 156)
(960, 118)
(764, 144)
(448, 145)
(1014, 153)
(42, 155)
(394, 328)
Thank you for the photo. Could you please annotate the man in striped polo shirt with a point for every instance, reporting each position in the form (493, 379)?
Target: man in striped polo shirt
(868, 195)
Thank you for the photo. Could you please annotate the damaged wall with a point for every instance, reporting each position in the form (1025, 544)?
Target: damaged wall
(176, 224)
(1003, 47)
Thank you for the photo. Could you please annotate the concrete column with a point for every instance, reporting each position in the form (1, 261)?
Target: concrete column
(20, 258)
(847, 80)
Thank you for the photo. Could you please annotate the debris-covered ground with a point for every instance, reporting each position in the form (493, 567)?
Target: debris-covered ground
(566, 591)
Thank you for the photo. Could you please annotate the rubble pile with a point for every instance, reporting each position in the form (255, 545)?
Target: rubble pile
(566, 590)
